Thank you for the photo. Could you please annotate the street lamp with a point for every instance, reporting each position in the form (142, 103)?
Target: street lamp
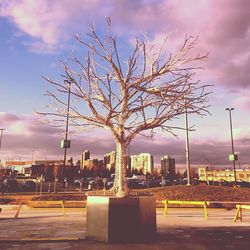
(234, 157)
(55, 181)
(187, 148)
(65, 184)
(66, 143)
(41, 184)
(1, 137)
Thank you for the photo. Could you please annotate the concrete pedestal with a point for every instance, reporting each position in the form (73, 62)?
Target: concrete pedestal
(129, 219)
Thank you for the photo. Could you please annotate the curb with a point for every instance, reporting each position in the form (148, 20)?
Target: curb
(39, 240)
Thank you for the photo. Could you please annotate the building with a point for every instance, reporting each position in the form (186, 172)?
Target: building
(85, 156)
(24, 167)
(168, 167)
(144, 162)
(206, 174)
(91, 164)
(109, 160)
(21, 167)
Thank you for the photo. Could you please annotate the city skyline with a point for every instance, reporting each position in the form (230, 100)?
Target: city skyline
(29, 51)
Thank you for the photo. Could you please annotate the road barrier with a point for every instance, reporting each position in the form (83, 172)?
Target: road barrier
(238, 215)
(48, 204)
(193, 203)
(59, 203)
(18, 210)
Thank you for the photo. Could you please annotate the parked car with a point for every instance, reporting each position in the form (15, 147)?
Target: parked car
(142, 184)
(95, 183)
(82, 181)
(3, 188)
(23, 187)
(109, 184)
(31, 185)
(243, 184)
(135, 183)
(195, 181)
(166, 183)
(154, 183)
(11, 185)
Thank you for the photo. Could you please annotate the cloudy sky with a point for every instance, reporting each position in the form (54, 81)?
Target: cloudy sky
(36, 35)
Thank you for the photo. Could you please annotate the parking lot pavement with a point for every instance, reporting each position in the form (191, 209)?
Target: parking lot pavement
(183, 228)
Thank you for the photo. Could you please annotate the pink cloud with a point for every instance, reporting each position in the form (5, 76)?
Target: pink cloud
(25, 134)
(49, 22)
(222, 25)
(224, 31)
(242, 101)
(42, 141)
(6, 118)
(223, 28)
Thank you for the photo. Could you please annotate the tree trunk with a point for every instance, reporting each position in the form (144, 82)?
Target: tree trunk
(120, 185)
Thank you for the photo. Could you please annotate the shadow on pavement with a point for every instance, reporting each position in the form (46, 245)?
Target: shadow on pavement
(211, 238)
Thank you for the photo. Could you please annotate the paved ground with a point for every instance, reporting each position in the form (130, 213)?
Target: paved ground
(183, 228)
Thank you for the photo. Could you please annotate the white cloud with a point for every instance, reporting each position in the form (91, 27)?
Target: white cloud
(49, 23)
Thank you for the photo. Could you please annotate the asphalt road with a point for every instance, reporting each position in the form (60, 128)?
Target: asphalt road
(183, 228)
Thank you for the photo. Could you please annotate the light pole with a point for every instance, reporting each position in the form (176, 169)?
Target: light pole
(1, 137)
(55, 181)
(66, 142)
(32, 155)
(41, 184)
(232, 142)
(65, 184)
(187, 148)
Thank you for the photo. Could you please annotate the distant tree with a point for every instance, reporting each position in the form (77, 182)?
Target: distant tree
(128, 172)
(156, 173)
(184, 174)
(140, 172)
(144, 92)
(193, 173)
(178, 175)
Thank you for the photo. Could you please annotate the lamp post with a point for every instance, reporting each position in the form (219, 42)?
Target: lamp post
(41, 184)
(66, 142)
(65, 184)
(55, 181)
(187, 148)
(232, 142)
(32, 155)
(1, 137)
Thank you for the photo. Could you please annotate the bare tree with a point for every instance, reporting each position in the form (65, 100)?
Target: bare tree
(128, 96)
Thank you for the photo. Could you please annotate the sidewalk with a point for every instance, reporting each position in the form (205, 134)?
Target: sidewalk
(181, 229)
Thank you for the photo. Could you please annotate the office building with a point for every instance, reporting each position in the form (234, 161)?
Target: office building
(206, 174)
(109, 160)
(85, 156)
(144, 162)
(168, 167)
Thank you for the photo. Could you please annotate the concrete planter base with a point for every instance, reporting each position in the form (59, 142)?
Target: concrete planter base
(129, 219)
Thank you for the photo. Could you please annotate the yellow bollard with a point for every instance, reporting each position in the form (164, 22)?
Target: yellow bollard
(238, 215)
(64, 214)
(18, 211)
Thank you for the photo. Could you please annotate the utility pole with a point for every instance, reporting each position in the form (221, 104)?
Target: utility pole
(32, 155)
(232, 143)
(66, 142)
(1, 137)
(187, 148)
(41, 184)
